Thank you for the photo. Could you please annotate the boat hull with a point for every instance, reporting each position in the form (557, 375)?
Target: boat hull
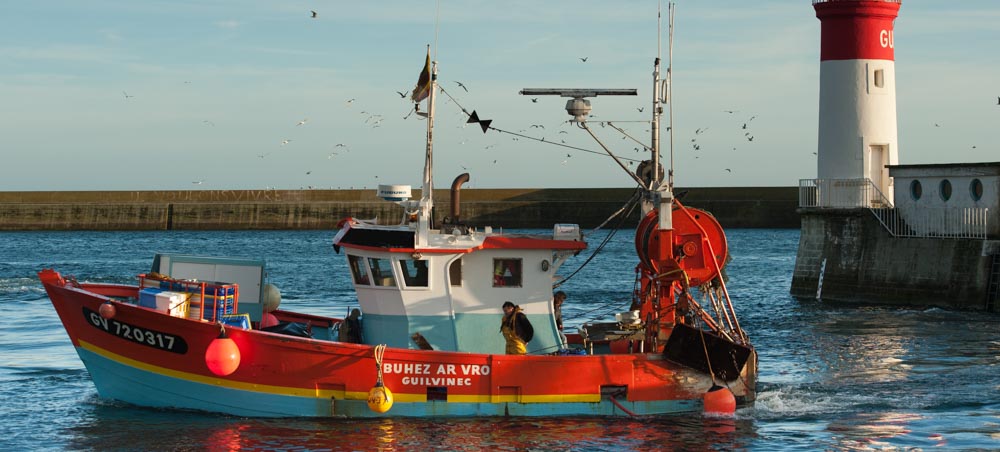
(147, 358)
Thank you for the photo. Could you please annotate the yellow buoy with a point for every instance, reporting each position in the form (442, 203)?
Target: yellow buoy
(379, 398)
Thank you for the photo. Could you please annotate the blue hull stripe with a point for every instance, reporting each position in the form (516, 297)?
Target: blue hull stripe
(118, 381)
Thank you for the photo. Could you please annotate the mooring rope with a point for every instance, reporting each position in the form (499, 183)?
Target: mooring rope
(379, 353)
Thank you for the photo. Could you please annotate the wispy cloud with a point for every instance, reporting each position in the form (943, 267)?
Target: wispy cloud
(230, 24)
(57, 52)
(110, 34)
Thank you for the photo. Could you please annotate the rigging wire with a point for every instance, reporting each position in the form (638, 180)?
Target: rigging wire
(543, 140)
(630, 205)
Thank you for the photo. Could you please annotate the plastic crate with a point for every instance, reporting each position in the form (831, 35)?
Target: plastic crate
(208, 300)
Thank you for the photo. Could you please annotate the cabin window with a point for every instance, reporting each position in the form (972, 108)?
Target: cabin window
(414, 272)
(506, 272)
(976, 189)
(455, 273)
(382, 272)
(916, 190)
(945, 190)
(358, 270)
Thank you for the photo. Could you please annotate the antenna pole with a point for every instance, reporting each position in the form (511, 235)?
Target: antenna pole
(670, 87)
(655, 181)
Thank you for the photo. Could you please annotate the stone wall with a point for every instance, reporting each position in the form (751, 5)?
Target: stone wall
(846, 255)
(754, 207)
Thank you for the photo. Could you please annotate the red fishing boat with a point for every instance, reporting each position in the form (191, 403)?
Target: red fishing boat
(207, 333)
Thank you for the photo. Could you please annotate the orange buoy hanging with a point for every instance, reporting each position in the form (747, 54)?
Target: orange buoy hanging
(107, 310)
(719, 400)
(222, 355)
(380, 397)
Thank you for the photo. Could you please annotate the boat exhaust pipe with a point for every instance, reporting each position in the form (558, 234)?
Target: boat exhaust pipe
(456, 186)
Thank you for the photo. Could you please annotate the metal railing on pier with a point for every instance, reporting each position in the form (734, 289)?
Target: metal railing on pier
(841, 193)
(936, 222)
(925, 222)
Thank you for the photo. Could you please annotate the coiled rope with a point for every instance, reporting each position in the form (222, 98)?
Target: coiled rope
(379, 353)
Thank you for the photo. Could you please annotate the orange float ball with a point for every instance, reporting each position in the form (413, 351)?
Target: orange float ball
(719, 400)
(108, 310)
(222, 355)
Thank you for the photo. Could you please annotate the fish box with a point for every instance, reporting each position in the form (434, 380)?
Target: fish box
(236, 320)
(173, 303)
(208, 300)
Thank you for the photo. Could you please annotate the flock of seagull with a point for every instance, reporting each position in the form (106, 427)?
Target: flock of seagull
(375, 120)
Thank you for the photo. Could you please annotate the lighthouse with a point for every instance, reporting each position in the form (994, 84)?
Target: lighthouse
(857, 100)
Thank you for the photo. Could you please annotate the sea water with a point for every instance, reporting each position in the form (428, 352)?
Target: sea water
(832, 377)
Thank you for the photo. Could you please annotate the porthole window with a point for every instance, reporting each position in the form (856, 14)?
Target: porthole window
(945, 189)
(916, 190)
(976, 189)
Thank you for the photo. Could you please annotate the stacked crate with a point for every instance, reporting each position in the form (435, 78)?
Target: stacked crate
(208, 300)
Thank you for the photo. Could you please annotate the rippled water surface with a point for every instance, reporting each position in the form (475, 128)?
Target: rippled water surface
(831, 377)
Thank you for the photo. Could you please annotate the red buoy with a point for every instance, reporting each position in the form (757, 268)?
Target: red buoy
(108, 310)
(267, 319)
(719, 400)
(222, 355)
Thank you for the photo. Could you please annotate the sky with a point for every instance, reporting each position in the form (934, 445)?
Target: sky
(219, 95)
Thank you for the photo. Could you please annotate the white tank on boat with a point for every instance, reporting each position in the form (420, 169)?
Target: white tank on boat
(394, 192)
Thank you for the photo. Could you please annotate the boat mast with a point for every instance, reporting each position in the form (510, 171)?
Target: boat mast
(660, 192)
(426, 208)
(657, 110)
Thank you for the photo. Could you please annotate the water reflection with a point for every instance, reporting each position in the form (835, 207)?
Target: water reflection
(143, 429)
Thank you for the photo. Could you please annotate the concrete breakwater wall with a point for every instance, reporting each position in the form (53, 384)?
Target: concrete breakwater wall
(734, 207)
(845, 255)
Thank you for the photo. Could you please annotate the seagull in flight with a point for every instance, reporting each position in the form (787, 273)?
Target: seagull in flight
(640, 109)
(313, 14)
(534, 100)
(727, 169)
(126, 95)
(284, 142)
(197, 182)
(462, 85)
(402, 94)
(584, 59)
(302, 122)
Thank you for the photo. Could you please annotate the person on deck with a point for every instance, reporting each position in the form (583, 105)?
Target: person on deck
(557, 302)
(350, 328)
(516, 329)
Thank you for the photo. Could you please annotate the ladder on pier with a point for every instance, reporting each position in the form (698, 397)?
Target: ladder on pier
(993, 286)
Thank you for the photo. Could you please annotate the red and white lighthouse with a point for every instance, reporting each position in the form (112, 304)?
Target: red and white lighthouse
(857, 94)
